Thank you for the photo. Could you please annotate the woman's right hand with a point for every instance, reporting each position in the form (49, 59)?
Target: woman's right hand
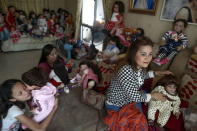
(158, 96)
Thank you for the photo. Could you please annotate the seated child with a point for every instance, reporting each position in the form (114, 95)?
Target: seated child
(175, 41)
(111, 51)
(43, 94)
(168, 86)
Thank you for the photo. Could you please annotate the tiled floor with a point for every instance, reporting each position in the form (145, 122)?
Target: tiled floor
(13, 64)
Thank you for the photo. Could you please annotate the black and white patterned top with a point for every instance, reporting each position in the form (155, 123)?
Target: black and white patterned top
(125, 86)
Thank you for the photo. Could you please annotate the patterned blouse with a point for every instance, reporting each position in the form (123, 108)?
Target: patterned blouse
(125, 87)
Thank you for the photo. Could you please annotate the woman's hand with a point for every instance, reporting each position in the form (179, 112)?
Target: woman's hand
(160, 73)
(158, 96)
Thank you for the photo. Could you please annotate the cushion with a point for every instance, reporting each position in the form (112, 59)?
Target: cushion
(27, 43)
(192, 66)
(188, 90)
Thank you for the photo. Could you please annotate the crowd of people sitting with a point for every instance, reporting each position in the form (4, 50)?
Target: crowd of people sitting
(16, 23)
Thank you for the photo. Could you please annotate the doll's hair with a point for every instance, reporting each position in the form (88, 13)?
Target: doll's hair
(168, 80)
(34, 77)
(92, 66)
(11, 6)
(120, 6)
(31, 14)
(141, 31)
(180, 20)
(61, 71)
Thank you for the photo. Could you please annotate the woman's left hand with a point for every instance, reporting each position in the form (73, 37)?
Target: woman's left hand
(160, 73)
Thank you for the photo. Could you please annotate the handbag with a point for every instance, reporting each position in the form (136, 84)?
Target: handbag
(93, 98)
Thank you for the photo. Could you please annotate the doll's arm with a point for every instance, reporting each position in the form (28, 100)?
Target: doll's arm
(176, 106)
(91, 84)
(162, 42)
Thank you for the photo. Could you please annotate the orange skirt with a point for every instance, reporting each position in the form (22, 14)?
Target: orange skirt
(128, 118)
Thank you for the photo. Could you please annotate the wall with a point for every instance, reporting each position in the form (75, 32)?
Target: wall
(153, 26)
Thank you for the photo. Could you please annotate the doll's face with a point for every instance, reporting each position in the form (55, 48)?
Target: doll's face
(111, 43)
(116, 8)
(83, 67)
(171, 89)
(179, 27)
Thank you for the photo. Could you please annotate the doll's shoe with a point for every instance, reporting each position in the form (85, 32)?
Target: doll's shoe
(66, 89)
(157, 61)
(164, 61)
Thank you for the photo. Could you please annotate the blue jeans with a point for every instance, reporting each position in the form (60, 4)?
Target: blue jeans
(4, 35)
(117, 108)
(68, 48)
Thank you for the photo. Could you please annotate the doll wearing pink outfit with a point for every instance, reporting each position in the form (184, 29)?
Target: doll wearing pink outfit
(44, 100)
(43, 94)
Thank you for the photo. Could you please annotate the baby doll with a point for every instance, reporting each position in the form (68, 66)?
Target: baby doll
(51, 23)
(4, 33)
(168, 86)
(89, 75)
(43, 94)
(111, 51)
(59, 31)
(14, 34)
(10, 19)
(33, 18)
(59, 76)
(174, 41)
(42, 23)
(36, 32)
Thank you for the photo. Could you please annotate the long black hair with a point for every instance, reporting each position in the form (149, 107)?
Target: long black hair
(92, 66)
(120, 6)
(5, 96)
(46, 50)
(61, 71)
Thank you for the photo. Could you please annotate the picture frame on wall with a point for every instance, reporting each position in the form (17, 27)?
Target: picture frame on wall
(143, 6)
(179, 9)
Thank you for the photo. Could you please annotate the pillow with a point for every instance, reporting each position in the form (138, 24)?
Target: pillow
(192, 66)
(188, 90)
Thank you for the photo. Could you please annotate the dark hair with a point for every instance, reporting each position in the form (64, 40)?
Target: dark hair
(120, 6)
(134, 47)
(92, 66)
(141, 31)
(6, 95)
(180, 20)
(61, 71)
(46, 50)
(11, 6)
(34, 77)
(167, 80)
(114, 39)
(31, 14)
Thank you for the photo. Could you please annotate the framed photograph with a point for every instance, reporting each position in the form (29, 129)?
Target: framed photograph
(143, 6)
(183, 9)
